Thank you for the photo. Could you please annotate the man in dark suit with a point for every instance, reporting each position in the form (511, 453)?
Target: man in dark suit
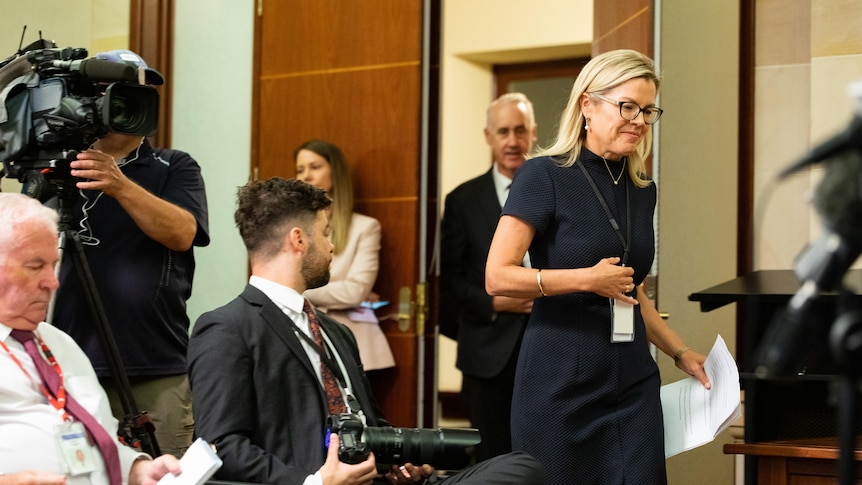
(488, 329)
(266, 370)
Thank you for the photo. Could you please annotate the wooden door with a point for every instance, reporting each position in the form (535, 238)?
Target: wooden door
(624, 24)
(352, 72)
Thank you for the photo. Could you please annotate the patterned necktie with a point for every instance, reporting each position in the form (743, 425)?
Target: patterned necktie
(51, 379)
(333, 392)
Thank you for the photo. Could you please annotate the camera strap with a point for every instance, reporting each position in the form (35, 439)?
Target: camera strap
(329, 360)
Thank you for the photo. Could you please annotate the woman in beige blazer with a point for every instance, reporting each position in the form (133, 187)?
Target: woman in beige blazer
(356, 238)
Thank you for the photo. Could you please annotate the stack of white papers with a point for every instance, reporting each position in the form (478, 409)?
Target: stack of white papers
(197, 465)
(694, 416)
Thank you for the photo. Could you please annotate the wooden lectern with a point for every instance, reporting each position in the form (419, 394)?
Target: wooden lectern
(782, 416)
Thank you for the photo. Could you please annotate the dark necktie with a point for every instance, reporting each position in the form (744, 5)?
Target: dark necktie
(51, 379)
(334, 399)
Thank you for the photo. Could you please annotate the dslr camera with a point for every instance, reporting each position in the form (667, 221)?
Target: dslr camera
(442, 448)
(56, 102)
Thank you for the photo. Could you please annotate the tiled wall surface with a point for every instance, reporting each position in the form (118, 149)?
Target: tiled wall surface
(807, 53)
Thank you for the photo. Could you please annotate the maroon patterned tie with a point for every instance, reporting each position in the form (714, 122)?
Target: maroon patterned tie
(333, 392)
(50, 378)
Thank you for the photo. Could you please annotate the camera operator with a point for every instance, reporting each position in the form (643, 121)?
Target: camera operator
(264, 385)
(140, 212)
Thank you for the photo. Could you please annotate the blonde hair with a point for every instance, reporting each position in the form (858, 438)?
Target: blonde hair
(341, 192)
(605, 71)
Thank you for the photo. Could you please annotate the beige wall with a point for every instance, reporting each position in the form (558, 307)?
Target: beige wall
(697, 185)
(79, 23)
(805, 59)
(507, 32)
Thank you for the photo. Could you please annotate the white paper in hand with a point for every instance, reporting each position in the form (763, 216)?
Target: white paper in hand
(694, 416)
(198, 464)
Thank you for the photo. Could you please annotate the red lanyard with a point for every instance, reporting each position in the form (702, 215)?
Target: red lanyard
(58, 401)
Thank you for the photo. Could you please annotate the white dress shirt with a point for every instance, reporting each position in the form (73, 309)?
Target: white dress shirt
(290, 302)
(28, 422)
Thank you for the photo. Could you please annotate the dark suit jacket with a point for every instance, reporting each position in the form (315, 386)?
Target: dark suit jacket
(256, 395)
(486, 340)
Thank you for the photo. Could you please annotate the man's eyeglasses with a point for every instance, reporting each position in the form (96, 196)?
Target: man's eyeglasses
(629, 111)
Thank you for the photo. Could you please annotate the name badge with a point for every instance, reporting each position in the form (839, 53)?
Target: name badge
(75, 448)
(622, 321)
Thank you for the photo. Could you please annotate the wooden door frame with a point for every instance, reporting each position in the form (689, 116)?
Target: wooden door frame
(745, 193)
(507, 73)
(430, 209)
(151, 35)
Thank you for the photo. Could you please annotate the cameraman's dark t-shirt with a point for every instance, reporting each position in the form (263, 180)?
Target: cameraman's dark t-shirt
(142, 284)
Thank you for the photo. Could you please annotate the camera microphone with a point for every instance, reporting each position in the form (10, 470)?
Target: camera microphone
(822, 266)
(851, 137)
(100, 70)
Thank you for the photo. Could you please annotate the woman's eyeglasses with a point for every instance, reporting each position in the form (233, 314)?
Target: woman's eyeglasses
(629, 111)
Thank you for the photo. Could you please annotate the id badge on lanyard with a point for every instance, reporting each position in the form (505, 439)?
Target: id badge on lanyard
(622, 313)
(622, 321)
(73, 441)
(75, 448)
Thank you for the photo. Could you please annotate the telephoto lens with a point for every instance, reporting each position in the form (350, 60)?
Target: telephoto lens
(442, 448)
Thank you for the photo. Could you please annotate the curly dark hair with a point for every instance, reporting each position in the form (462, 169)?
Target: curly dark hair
(267, 209)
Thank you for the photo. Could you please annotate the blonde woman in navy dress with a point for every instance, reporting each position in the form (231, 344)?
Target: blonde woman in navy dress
(586, 401)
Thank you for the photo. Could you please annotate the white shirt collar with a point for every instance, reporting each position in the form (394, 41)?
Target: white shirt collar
(501, 184)
(5, 330)
(281, 295)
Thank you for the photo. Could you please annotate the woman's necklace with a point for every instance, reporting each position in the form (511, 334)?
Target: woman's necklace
(616, 180)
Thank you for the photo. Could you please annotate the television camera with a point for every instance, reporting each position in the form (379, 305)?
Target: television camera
(56, 102)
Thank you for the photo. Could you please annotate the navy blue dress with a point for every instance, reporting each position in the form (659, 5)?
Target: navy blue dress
(587, 409)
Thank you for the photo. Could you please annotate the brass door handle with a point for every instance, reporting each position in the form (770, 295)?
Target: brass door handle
(405, 308)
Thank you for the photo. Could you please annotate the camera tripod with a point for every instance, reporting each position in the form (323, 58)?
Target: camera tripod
(136, 429)
(845, 342)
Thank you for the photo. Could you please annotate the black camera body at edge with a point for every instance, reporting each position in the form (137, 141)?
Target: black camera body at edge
(442, 448)
(55, 102)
